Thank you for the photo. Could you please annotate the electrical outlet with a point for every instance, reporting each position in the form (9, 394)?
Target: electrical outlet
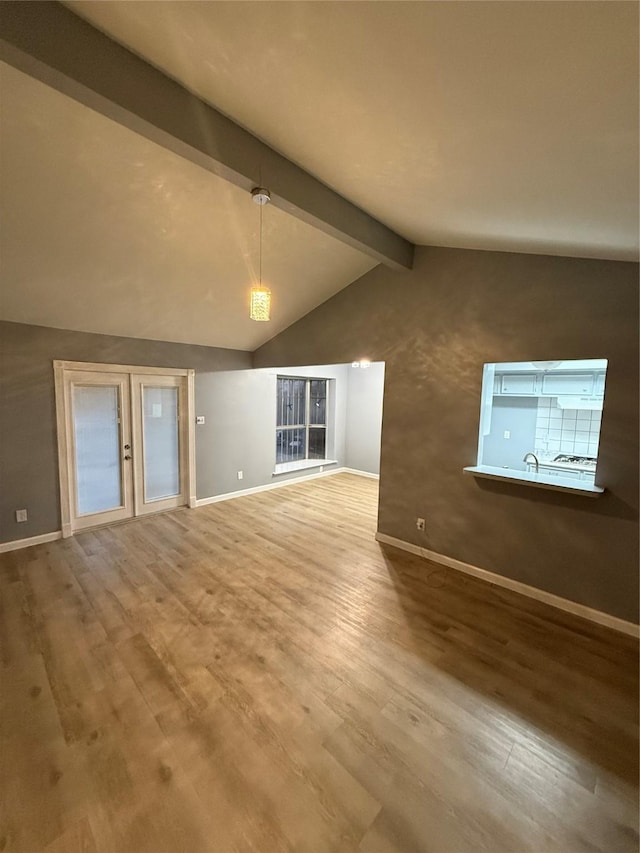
(21, 515)
(507, 433)
(240, 475)
(420, 523)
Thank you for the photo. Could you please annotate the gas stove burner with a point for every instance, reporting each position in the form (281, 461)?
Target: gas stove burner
(575, 460)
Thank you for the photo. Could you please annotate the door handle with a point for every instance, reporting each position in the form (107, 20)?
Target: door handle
(127, 456)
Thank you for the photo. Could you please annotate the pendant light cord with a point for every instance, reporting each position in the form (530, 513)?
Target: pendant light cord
(260, 262)
(261, 206)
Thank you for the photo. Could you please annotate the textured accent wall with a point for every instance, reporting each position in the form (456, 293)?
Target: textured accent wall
(28, 448)
(435, 327)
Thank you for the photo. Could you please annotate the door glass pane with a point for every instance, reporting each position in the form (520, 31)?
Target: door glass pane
(318, 401)
(291, 402)
(161, 442)
(97, 440)
(290, 444)
(317, 436)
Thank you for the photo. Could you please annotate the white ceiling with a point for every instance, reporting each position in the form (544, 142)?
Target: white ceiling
(495, 125)
(101, 230)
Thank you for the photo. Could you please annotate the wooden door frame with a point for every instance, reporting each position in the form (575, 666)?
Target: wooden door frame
(137, 383)
(60, 370)
(101, 380)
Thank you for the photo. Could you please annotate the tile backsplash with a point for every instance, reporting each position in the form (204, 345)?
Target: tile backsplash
(573, 431)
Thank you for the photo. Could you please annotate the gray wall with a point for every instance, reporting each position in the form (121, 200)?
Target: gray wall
(239, 433)
(239, 406)
(28, 448)
(435, 327)
(364, 418)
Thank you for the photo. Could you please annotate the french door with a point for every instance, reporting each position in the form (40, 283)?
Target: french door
(125, 440)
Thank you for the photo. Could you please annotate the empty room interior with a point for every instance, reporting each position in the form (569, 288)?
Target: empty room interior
(319, 427)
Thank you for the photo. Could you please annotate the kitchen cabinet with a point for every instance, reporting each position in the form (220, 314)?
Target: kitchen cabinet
(560, 475)
(578, 384)
(518, 383)
(561, 384)
(554, 473)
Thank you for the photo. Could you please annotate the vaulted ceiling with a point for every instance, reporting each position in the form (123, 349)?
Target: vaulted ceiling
(105, 231)
(509, 126)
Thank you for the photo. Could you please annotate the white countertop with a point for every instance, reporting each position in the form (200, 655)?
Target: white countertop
(530, 478)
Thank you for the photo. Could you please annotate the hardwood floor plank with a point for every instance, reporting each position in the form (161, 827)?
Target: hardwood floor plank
(262, 676)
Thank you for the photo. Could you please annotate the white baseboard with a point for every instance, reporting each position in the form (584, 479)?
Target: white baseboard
(193, 502)
(32, 540)
(227, 496)
(565, 604)
(360, 473)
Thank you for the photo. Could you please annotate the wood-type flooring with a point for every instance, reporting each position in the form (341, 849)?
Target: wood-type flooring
(261, 676)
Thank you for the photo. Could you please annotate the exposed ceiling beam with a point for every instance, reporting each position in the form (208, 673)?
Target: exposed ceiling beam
(51, 43)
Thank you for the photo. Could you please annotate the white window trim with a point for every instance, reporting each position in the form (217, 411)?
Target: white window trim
(302, 465)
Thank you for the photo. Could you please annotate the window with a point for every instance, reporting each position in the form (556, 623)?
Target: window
(301, 425)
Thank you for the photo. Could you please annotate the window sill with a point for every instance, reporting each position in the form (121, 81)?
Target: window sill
(301, 465)
(539, 481)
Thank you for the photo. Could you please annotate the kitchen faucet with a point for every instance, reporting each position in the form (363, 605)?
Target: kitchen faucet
(535, 460)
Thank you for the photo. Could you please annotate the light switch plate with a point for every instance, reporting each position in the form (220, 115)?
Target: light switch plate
(21, 515)
(200, 420)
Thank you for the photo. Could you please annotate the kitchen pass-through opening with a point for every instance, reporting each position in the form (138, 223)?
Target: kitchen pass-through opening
(542, 419)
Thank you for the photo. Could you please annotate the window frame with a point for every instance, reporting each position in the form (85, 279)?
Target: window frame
(307, 425)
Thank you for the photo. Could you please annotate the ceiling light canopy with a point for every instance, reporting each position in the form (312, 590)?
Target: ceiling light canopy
(260, 296)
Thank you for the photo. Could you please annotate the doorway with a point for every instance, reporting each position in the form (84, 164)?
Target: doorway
(125, 442)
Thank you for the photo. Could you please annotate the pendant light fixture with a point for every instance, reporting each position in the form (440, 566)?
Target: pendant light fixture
(260, 296)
